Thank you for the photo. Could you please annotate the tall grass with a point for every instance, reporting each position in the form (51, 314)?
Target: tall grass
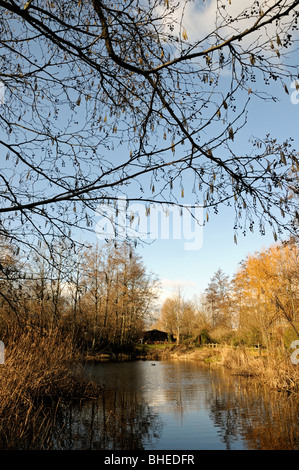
(39, 372)
(273, 369)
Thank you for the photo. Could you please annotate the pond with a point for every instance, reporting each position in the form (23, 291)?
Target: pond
(176, 405)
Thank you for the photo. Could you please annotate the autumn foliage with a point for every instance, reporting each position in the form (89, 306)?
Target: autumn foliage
(266, 292)
(258, 306)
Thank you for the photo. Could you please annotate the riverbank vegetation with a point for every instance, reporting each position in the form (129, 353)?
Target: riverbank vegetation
(252, 319)
(96, 302)
(99, 297)
(39, 373)
(271, 369)
(55, 315)
(55, 311)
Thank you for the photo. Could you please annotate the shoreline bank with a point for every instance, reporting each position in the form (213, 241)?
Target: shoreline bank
(272, 368)
(37, 373)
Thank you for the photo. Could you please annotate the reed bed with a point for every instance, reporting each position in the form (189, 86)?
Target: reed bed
(38, 374)
(273, 369)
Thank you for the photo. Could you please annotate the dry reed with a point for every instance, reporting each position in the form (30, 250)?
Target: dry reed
(38, 372)
(273, 369)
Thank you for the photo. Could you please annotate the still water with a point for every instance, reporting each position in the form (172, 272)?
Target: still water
(176, 405)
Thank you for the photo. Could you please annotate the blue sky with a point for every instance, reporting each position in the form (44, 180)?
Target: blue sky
(193, 269)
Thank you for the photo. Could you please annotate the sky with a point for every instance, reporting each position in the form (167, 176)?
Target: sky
(191, 270)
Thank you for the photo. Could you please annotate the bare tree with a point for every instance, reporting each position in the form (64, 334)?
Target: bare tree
(217, 296)
(178, 316)
(118, 293)
(105, 99)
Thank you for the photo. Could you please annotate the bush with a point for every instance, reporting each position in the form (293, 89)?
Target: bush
(205, 337)
(248, 337)
(221, 334)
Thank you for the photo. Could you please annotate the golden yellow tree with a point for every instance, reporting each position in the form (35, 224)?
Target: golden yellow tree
(266, 289)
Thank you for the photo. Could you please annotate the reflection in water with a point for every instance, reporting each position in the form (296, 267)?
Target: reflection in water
(177, 405)
(174, 405)
(265, 420)
(118, 420)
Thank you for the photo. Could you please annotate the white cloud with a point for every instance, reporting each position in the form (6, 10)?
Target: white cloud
(200, 18)
(169, 287)
(174, 283)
